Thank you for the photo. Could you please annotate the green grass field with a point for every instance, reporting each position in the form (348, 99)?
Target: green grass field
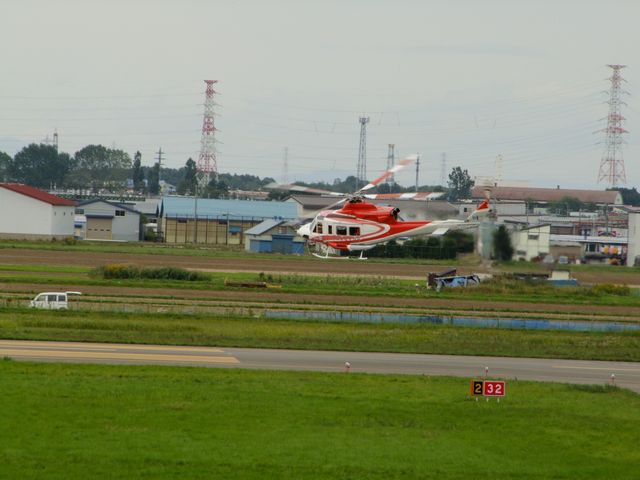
(498, 290)
(62, 421)
(230, 331)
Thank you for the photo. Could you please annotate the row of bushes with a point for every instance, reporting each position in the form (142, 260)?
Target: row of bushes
(504, 284)
(439, 248)
(118, 271)
(393, 250)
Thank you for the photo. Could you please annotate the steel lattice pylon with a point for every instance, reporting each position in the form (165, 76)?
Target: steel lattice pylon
(612, 164)
(207, 164)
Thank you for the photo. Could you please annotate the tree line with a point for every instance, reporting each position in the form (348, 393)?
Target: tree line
(92, 167)
(96, 168)
(458, 186)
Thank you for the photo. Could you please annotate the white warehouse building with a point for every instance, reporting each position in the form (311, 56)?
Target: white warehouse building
(28, 213)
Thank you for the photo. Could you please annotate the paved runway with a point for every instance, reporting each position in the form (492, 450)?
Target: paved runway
(627, 374)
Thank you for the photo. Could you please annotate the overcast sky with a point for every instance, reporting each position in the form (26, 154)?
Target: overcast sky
(472, 79)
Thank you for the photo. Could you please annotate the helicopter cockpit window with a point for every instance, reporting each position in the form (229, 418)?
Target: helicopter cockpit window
(318, 228)
(354, 230)
(341, 230)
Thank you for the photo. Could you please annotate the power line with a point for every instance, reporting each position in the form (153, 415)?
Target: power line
(96, 97)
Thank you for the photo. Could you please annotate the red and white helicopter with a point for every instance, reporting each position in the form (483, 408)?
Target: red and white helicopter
(359, 225)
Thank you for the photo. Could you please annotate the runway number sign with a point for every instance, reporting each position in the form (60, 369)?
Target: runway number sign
(487, 388)
(493, 388)
(477, 387)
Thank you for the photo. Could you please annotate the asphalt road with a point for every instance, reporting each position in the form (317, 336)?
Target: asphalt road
(627, 374)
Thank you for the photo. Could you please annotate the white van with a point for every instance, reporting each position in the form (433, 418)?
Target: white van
(52, 300)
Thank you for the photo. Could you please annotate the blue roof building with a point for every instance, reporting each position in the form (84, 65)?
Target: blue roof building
(274, 236)
(185, 207)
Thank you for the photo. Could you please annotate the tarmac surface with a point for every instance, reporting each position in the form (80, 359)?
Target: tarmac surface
(626, 374)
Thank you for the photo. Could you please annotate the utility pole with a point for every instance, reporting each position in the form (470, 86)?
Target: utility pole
(443, 170)
(361, 175)
(498, 180)
(612, 163)
(195, 214)
(417, 172)
(285, 165)
(159, 159)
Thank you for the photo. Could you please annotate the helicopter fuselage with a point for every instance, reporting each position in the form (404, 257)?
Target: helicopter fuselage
(360, 225)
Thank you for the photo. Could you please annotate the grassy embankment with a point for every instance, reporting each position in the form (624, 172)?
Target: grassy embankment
(225, 331)
(89, 421)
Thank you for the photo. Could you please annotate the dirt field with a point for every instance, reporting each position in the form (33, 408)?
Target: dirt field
(270, 265)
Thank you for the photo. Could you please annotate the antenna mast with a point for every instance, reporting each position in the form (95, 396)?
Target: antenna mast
(612, 164)
(443, 170)
(361, 175)
(207, 164)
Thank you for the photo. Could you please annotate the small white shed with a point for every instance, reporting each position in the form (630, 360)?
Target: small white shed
(531, 241)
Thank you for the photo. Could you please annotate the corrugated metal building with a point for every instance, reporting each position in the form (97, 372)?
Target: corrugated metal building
(216, 221)
(107, 220)
(547, 195)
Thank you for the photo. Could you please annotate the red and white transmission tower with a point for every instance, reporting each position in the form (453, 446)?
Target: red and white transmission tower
(207, 164)
(612, 163)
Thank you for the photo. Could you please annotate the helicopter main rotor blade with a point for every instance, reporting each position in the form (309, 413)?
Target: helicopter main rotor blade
(396, 168)
(302, 189)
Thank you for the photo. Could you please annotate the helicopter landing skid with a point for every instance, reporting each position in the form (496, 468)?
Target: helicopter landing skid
(334, 257)
(362, 257)
(326, 256)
